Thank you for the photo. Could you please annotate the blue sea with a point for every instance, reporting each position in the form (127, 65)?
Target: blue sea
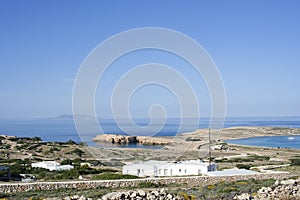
(62, 130)
(270, 141)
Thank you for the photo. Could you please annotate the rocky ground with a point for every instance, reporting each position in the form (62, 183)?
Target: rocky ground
(142, 194)
(281, 190)
(12, 147)
(246, 131)
(159, 194)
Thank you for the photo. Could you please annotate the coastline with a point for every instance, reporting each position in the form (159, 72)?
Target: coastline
(240, 132)
(186, 146)
(52, 130)
(199, 136)
(246, 132)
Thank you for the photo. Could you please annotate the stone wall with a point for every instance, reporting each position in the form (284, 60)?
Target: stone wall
(194, 180)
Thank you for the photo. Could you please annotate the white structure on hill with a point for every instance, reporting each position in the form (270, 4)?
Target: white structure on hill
(51, 165)
(166, 168)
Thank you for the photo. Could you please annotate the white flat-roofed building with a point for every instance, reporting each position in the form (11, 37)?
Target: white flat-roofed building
(232, 172)
(167, 168)
(51, 166)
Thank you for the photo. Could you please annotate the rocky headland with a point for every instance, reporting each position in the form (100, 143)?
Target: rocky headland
(126, 139)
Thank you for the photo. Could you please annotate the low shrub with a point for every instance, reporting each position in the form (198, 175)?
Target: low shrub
(295, 161)
(113, 176)
(243, 166)
(259, 158)
(147, 185)
(187, 196)
(227, 190)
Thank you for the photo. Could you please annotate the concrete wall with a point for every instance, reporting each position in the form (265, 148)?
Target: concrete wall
(195, 180)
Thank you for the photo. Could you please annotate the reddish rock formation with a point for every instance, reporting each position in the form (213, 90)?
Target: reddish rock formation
(125, 139)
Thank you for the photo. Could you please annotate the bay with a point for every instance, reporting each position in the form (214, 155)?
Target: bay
(62, 130)
(269, 141)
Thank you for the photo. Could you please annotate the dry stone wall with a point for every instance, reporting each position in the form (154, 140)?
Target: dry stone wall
(194, 180)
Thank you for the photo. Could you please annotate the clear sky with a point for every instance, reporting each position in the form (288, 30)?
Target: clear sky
(255, 44)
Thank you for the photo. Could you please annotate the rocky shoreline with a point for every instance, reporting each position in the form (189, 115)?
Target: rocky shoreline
(126, 139)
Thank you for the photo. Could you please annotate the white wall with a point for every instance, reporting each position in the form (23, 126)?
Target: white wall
(51, 165)
(167, 169)
(139, 170)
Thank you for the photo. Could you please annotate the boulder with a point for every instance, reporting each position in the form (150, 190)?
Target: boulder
(82, 197)
(288, 182)
(141, 193)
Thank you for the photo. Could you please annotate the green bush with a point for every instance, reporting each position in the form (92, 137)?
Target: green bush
(221, 160)
(67, 174)
(295, 161)
(243, 166)
(242, 160)
(147, 185)
(186, 196)
(66, 162)
(227, 190)
(259, 158)
(71, 142)
(113, 176)
(36, 139)
(77, 152)
(87, 170)
(251, 158)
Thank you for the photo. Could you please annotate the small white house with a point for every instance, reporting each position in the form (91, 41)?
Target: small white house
(51, 166)
(166, 168)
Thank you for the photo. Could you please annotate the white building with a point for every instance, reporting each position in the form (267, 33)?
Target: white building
(51, 165)
(232, 172)
(166, 168)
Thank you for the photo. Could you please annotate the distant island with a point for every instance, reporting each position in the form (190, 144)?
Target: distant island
(63, 116)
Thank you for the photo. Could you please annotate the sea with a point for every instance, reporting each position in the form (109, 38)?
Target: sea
(62, 130)
(287, 142)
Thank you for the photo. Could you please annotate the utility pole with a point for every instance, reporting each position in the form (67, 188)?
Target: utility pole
(209, 150)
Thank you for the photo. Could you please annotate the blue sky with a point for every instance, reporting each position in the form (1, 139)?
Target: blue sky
(255, 45)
